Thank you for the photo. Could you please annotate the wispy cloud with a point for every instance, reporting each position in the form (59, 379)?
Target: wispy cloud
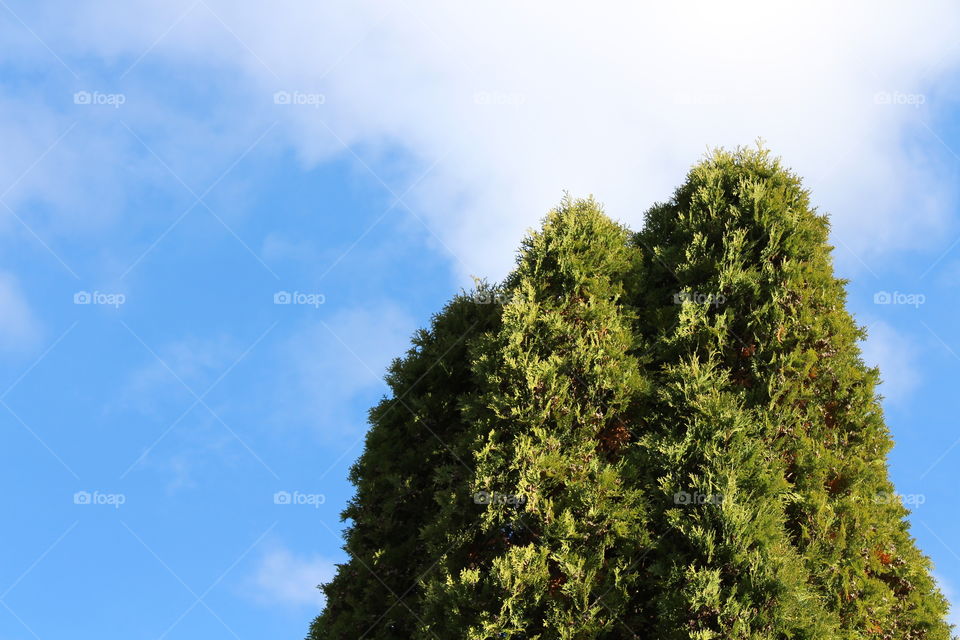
(290, 580)
(895, 354)
(183, 437)
(493, 89)
(331, 361)
(19, 328)
(154, 386)
(953, 597)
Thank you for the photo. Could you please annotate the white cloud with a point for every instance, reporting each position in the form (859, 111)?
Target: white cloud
(521, 101)
(158, 391)
(953, 597)
(894, 353)
(332, 360)
(156, 387)
(278, 248)
(18, 326)
(283, 578)
(61, 172)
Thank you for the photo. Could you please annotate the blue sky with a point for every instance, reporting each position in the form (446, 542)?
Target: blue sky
(177, 165)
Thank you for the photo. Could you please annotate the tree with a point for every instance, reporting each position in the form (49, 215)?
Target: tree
(413, 451)
(550, 554)
(741, 248)
(665, 434)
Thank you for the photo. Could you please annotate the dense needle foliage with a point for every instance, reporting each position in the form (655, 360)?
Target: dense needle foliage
(665, 434)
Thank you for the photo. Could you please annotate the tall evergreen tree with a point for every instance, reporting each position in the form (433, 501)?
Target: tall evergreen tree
(666, 434)
(413, 450)
(747, 255)
(550, 555)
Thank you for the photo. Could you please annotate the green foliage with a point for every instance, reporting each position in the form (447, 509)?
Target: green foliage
(666, 434)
